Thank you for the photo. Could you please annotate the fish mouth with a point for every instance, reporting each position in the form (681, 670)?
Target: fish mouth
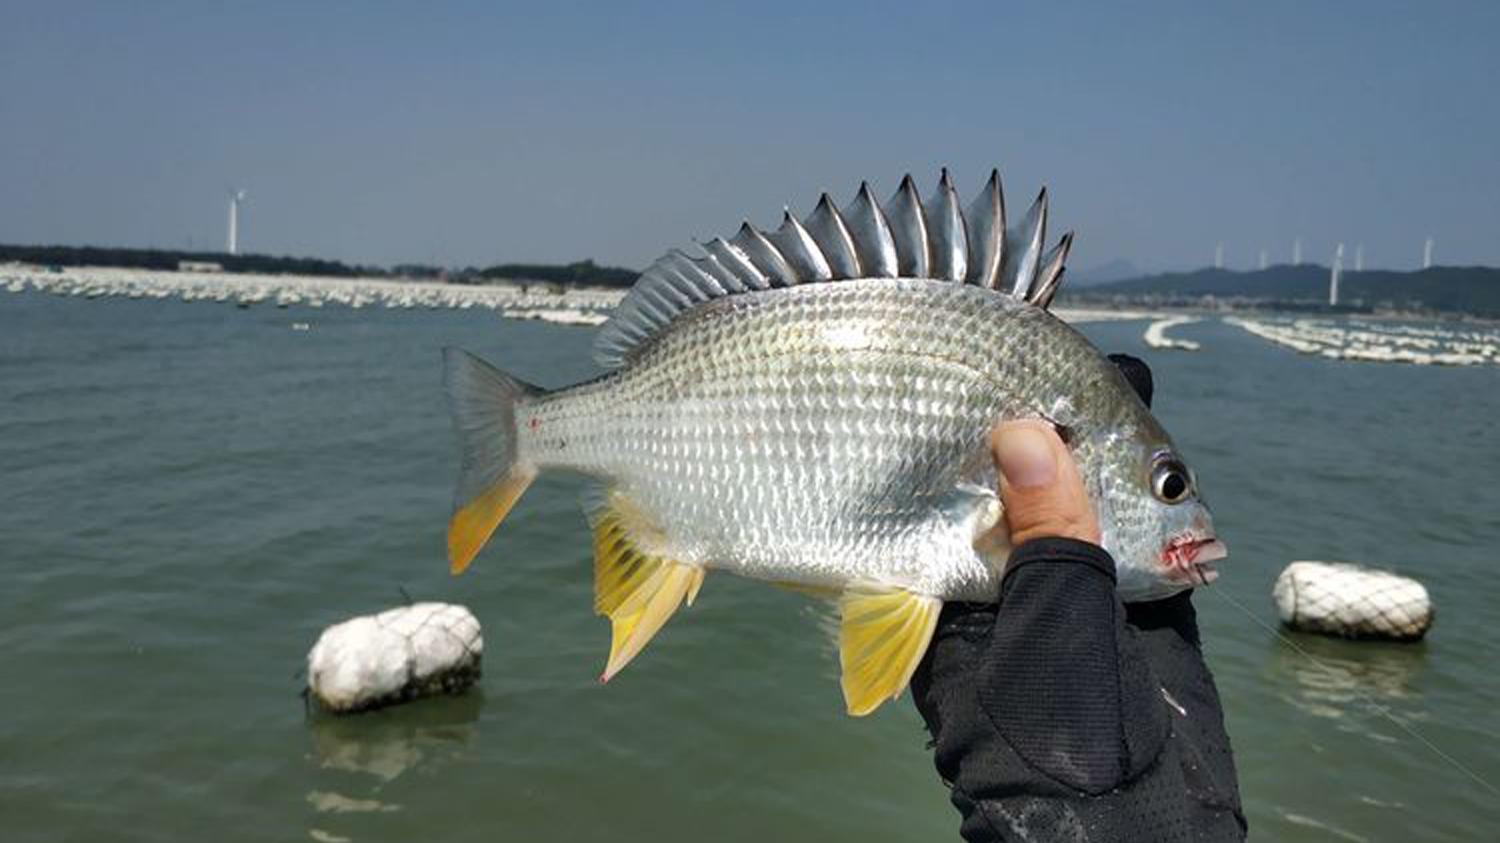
(1188, 558)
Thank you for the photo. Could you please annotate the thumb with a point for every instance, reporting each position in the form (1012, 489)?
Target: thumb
(1040, 485)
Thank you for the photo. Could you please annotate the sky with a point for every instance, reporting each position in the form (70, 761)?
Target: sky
(478, 133)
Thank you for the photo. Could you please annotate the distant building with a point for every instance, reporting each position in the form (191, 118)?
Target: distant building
(199, 266)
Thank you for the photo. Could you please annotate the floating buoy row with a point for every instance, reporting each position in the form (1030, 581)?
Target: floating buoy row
(1388, 343)
(570, 306)
(1156, 334)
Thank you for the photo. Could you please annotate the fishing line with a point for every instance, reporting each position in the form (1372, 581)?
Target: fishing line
(1363, 697)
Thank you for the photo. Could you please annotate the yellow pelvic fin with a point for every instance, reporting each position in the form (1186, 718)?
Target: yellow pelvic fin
(882, 637)
(637, 589)
(471, 525)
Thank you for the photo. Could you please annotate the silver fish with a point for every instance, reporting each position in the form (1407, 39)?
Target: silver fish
(778, 408)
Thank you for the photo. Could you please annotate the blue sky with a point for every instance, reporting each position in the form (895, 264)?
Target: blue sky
(486, 132)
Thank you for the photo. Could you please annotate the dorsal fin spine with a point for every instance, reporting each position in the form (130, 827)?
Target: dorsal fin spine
(1052, 273)
(949, 240)
(871, 233)
(737, 263)
(800, 250)
(1023, 249)
(687, 269)
(908, 221)
(828, 229)
(986, 225)
(726, 277)
(764, 255)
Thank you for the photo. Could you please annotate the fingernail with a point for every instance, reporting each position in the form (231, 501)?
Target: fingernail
(1026, 458)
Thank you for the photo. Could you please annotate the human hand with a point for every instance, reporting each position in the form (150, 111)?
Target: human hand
(1041, 488)
(1030, 699)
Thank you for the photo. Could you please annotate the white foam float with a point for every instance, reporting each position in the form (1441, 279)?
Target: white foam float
(397, 655)
(1352, 601)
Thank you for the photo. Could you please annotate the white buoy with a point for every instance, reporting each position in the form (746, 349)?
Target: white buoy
(1351, 601)
(400, 654)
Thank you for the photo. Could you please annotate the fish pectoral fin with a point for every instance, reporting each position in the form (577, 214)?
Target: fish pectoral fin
(636, 589)
(882, 636)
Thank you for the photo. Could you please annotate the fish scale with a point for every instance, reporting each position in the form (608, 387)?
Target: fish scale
(770, 411)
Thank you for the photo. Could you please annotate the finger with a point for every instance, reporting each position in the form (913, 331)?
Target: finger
(1041, 488)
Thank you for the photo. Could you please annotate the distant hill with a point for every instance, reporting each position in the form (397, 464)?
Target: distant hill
(1115, 270)
(1468, 289)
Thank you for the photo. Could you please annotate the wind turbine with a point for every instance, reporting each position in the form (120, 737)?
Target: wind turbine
(1297, 252)
(235, 198)
(1333, 275)
(1427, 254)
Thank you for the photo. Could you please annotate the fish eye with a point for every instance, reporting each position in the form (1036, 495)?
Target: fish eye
(1171, 481)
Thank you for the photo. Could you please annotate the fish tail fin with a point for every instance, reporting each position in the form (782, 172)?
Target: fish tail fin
(492, 478)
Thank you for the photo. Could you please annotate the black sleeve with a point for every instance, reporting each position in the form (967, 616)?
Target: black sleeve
(1051, 720)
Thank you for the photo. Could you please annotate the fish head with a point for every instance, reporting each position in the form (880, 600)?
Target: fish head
(1152, 516)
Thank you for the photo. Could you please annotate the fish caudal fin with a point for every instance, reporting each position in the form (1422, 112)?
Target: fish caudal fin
(882, 637)
(636, 588)
(483, 400)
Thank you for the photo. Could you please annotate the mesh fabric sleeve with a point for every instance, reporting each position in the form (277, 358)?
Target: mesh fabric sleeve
(1050, 720)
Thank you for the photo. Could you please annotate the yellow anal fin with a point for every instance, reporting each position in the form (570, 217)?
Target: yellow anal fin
(637, 590)
(471, 524)
(882, 636)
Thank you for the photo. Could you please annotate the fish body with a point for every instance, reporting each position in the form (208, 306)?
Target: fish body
(830, 434)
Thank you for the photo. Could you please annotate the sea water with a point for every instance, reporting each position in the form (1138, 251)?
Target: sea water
(189, 493)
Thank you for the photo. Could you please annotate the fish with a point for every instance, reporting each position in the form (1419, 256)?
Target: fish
(810, 406)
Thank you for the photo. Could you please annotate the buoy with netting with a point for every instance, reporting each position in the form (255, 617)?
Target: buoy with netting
(1352, 601)
(400, 654)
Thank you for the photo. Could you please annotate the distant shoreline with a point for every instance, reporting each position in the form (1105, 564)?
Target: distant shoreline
(581, 273)
(566, 304)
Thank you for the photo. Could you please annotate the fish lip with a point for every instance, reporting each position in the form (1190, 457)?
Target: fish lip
(1189, 557)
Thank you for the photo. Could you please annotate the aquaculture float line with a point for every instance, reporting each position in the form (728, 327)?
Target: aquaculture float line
(1387, 344)
(517, 300)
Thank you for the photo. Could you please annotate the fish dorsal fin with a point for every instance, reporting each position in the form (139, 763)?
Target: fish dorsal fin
(908, 237)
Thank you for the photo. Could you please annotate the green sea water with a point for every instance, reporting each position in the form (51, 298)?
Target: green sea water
(189, 493)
